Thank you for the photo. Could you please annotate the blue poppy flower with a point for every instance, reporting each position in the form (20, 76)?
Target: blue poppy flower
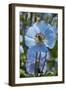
(39, 38)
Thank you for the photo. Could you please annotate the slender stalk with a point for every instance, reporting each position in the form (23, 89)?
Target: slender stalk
(44, 62)
(37, 63)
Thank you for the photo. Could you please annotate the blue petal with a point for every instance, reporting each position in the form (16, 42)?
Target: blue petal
(37, 48)
(45, 68)
(31, 57)
(54, 29)
(32, 31)
(29, 41)
(42, 61)
(50, 38)
(42, 26)
(49, 33)
(41, 48)
(30, 68)
(30, 62)
(30, 35)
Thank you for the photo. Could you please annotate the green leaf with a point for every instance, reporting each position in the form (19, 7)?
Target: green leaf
(23, 57)
(26, 23)
(51, 63)
(22, 73)
(21, 32)
(21, 43)
(49, 73)
(22, 18)
(54, 51)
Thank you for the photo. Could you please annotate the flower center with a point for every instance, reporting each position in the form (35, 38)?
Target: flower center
(39, 38)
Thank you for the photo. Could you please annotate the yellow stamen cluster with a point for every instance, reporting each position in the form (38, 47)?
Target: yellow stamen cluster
(39, 38)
